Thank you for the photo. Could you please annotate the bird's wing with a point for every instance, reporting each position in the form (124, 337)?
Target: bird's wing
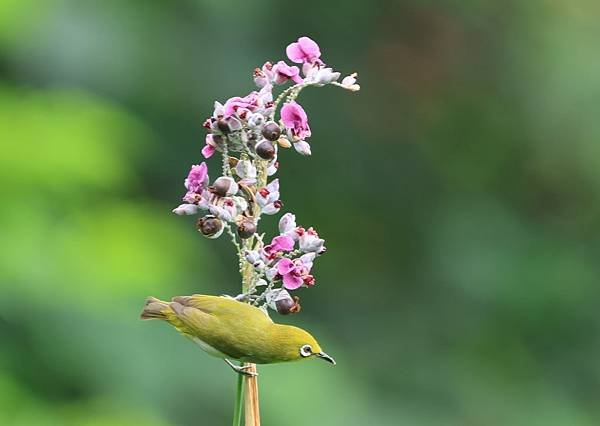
(207, 304)
(203, 317)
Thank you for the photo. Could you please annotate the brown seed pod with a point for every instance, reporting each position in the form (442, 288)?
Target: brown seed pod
(246, 228)
(265, 150)
(224, 186)
(288, 306)
(210, 226)
(271, 131)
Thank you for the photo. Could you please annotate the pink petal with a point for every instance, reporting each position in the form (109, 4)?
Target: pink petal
(285, 266)
(295, 53)
(208, 151)
(292, 282)
(310, 48)
(283, 243)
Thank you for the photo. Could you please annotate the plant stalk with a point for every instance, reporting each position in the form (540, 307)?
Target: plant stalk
(237, 412)
(251, 406)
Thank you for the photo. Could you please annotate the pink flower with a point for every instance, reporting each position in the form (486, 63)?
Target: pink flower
(211, 145)
(296, 272)
(268, 198)
(197, 178)
(295, 120)
(283, 73)
(208, 151)
(238, 104)
(304, 50)
(310, 242)
(281, 243)
(263, 76)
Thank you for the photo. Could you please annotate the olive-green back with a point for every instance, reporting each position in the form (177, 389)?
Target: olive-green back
(236, 329)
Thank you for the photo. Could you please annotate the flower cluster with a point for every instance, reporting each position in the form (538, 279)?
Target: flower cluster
(248, 132)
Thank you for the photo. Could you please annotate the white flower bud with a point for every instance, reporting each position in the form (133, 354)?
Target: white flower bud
(246, 170)
(302, 147)
(186, 209)
(287, 223)
(326, 76)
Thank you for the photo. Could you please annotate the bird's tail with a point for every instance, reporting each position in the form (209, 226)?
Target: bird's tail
(154, 309)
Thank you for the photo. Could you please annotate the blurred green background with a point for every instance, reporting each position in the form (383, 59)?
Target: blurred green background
(459, 193)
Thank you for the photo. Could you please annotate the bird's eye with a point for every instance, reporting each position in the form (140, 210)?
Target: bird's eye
(306, 350)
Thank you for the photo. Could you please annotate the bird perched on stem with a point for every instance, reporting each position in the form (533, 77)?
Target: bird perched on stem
(233, 330)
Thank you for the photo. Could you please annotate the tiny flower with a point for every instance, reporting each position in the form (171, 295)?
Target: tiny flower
(246, 170)
(197, 178)
(225, 208)
(225, 186)
(281, 243)
(273, 208)
(264, 75)
(304, 50)
(186, 209)
(295, 120)
(208, 151)
(310, 242)
(236, 104)
(349, 83)
(253, 257)
(283, 73)
(326, 76)
(294, 273)
(287, 224)
(210, 226)
(268, 194)
(191, 197)
(265, 150)
(211, 141)
(302, 147)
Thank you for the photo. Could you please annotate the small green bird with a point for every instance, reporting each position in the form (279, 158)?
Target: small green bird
(229, 329)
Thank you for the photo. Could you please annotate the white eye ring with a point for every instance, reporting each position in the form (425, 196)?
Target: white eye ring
(306, 350)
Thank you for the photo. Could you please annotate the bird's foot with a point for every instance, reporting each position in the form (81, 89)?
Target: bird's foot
(241, 369)
(244, 297)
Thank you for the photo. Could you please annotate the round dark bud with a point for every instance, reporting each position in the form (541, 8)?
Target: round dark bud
(265, 150)
(271, 131)
(223, 126)
(284, 306)
(222, 186)
(288, 306)
(210, 226)
(246, 228)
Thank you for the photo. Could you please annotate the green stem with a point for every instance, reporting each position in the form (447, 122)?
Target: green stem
(239, 400)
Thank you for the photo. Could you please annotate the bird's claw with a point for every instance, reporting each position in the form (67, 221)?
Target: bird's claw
(241, 369)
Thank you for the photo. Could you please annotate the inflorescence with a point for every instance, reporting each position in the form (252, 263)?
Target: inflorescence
(248, 133)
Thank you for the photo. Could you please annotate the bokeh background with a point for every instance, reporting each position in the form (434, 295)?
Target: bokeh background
(459, 193)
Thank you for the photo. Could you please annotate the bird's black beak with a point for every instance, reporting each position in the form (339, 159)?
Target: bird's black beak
(326, 357)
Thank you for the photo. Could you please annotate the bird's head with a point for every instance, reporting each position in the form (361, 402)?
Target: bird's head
(299, 344)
